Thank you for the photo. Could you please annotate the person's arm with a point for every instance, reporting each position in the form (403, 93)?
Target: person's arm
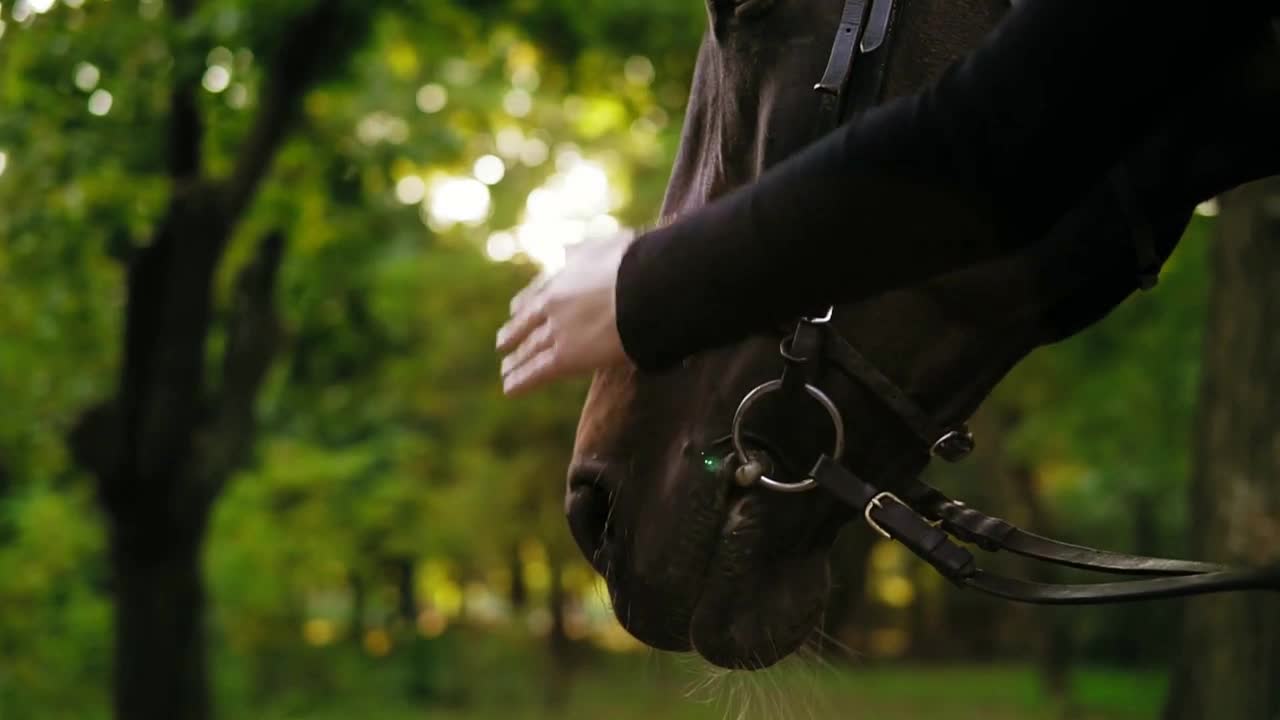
(981, 163)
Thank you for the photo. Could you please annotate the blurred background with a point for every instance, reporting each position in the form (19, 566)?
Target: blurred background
(254, 460)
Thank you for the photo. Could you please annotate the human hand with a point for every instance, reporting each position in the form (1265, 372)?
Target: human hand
(564, 324)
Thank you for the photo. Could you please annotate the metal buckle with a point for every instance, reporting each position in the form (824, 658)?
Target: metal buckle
(740, 448)
(875, 502)
(954, 445)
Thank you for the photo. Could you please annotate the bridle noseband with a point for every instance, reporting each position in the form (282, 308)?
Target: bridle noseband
(919, 516)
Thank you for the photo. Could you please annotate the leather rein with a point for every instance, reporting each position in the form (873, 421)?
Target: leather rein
(917, 515)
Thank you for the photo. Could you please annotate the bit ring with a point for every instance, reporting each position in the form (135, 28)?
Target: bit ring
(772, 386)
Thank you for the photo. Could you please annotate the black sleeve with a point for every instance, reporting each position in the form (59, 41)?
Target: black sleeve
(981, 163)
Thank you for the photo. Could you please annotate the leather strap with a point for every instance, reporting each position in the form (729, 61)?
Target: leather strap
(933, 543)
(878, 26)
(949, 444)
(802, 357)
(867, 85)
(893, 518)
(1144, 244)
(1267, 579)
(994, 534)
(927, 521)
(844, 48)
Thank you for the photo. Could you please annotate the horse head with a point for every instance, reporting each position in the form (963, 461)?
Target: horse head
(695, 560)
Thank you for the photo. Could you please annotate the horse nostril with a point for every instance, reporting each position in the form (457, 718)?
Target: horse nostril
(587, 509)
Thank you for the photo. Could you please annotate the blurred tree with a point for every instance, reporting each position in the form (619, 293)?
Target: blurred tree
(165, 444)
(1231, 644)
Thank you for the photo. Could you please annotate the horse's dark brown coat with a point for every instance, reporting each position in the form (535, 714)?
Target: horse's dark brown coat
(740, 575)
(688, 559)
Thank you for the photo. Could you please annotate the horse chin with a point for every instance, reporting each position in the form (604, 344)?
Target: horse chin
(759, 603)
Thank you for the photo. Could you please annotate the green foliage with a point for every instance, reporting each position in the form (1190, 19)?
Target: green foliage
(383, 435)
(1113, 406)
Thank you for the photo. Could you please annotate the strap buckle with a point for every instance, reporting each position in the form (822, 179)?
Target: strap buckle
(876, 503)
(954, 445)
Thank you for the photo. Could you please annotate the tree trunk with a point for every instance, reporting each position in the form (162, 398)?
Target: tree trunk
(163, 447)
(845, 623)
(519, 588)
(162, 451)
(406, 590)
(422, 682)
(1229, 666)
(359, 606)
(559, 645)
(1054, 651)
(160, 644)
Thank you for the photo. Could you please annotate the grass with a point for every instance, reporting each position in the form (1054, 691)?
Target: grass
(486, 678)
(655, 686)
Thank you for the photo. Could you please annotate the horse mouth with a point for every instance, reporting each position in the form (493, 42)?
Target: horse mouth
(738, 576)
(763, 594)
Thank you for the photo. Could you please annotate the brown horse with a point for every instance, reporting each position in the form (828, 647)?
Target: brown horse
(740, 574)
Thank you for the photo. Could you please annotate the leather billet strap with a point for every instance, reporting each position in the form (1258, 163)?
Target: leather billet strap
(859, 32)
(843, 48)
(839, 66)
(894, 519)
(1125, 591)
(933, 543)
(994, 534)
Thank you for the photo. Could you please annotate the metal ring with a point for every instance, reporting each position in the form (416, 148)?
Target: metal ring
(764, 389)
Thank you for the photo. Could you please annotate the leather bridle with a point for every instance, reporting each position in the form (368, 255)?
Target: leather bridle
(915, 514)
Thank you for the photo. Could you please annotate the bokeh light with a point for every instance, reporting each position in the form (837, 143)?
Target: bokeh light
(378, 127)
(571, 206)
(238, 96)
(534, 152)
(459, 72)
(501, 246)
(100, 102)
(509, 142)
(517, 103)
(638, 70)
(526, 78)
(216, 78)
(432, 98)
(489, 169)
(87, 76)
(220, 56)
(457, 200)
(411, 189)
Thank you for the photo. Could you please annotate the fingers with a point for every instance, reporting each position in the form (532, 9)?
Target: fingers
(530, 291)
(540, 369)
(511, 335)
(540, 339)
